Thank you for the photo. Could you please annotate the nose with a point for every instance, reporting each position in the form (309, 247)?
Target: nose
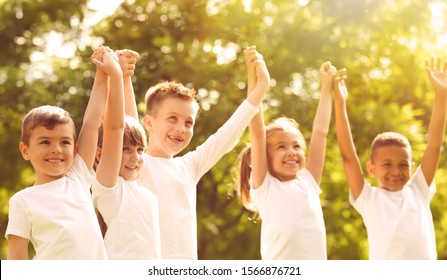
(395, 170)
(181, 128)
(134, 155)
(290, 151)
(56, 149)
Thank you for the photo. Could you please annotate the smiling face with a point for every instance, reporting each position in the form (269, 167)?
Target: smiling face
(391, 166)
(285, 153)
(50, 152)
(170, 127)
(132, 161)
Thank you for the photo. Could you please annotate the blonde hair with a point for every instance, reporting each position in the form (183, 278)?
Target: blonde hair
(243, 188)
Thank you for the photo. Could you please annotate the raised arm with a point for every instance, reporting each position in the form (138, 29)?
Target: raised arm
(257, 94)
(437, 74)
(351, 162)
(127, 60)
(320, 128)
(107, 171)
(88, 136)
(256, 74)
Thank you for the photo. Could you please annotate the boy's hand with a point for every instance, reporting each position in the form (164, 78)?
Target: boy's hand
(262, 73)
(251, 55)
(127, 60)
(327, 71)
(99, 52)
(109, 63)
(437, 74)
(341, 91)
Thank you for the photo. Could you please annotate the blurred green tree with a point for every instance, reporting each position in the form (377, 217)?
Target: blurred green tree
(200, 43)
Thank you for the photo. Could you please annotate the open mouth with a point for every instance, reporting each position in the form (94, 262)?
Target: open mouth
(291, 162)
(55, 160)
(176, 139)
(395, 181)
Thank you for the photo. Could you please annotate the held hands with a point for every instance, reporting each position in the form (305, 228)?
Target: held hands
(257, 70)
(340, 89)
(106, 60)
(327, 71)
(437, 74)
(127, 60)
(98, 53)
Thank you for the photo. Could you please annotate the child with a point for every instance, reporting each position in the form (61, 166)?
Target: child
(57, 213)
(278, 181)
(397, 214)
(129, 210)
(170, 116)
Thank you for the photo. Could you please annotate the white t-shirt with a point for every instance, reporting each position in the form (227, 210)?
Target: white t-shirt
(174, 182)
(292, 218)
(58, 217)
(399, 224)
(131, 214)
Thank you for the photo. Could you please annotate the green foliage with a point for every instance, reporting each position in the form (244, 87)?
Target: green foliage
(200, 43)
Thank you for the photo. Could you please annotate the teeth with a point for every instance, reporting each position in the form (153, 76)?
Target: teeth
(55, 160)
(178, 139)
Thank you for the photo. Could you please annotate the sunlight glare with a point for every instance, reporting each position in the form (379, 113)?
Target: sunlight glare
(438, 24)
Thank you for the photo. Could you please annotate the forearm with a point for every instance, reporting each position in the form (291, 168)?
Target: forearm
(129, 95)
(258, 149)
(88, 135)
(436, 129)
(109, 165)
(114, 113)
(95, 107)
(320, 128)
(256, 96)
(323, 114)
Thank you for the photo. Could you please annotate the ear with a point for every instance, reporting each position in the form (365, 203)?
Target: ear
(147, 122)
(23, 150)
(371, 169)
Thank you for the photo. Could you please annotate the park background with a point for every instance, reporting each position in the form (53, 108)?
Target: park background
(44, 59)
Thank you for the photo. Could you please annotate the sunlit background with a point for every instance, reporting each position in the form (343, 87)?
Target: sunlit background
(44, 59)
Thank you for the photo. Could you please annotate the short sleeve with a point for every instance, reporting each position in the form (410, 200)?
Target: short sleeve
(19, 223)
(361, 199)
(419, 182)
(80, 170)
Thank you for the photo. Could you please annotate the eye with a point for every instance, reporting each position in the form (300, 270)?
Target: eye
(66, 142)
(172, 119)
(280, 147)
(126, 149)
(140, 150)
(45, 142)
(189, 124)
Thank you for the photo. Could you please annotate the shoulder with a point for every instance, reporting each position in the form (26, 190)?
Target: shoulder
(419, 184)
(306, 178)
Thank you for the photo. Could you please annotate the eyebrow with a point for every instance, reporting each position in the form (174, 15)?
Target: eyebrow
(49, 137)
